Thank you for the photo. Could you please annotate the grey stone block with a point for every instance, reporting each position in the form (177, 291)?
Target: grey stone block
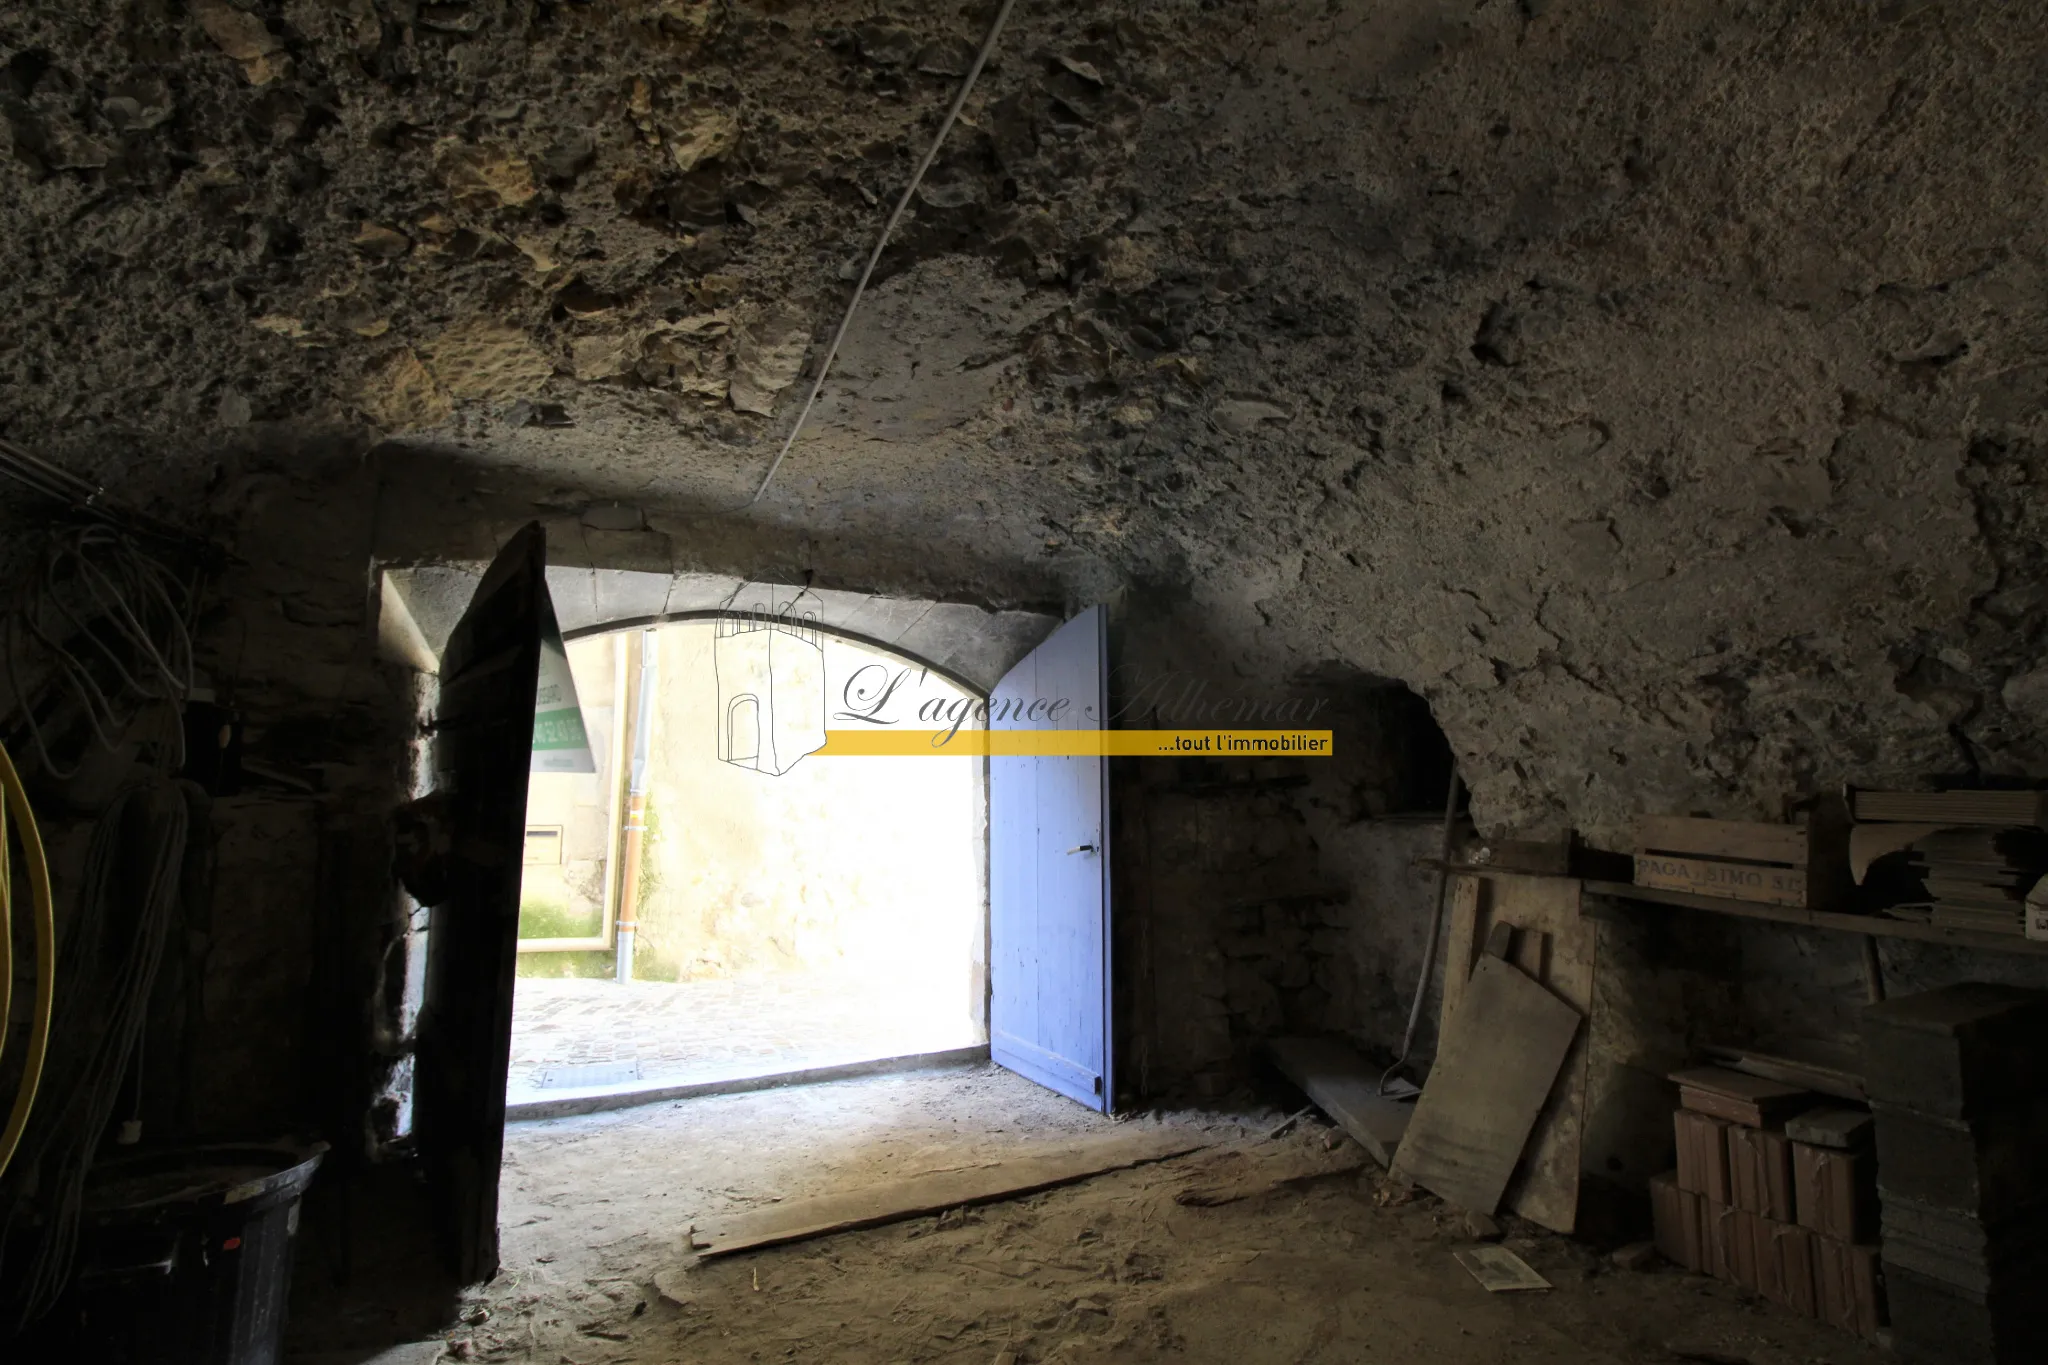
(1958, 1051)
(1939, 1324)
(1986, 1167)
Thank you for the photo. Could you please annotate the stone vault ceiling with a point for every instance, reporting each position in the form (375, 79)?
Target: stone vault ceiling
(1657, 389)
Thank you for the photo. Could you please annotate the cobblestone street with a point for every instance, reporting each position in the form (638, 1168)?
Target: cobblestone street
(570, 1033)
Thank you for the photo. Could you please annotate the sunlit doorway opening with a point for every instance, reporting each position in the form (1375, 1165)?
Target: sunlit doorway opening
(723, 899)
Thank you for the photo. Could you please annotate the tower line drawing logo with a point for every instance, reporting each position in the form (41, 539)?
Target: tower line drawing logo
(771, 688)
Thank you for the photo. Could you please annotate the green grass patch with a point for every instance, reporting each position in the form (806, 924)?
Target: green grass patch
(596, 966)
(553, 919)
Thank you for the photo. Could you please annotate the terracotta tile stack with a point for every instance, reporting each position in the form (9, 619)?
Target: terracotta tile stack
(1958, 1081)
(1754, 1204)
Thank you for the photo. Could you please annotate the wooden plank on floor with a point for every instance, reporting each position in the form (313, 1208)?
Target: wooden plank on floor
(1494, 1072)
(1347, 1088)
(1229, 1176)
(934, 1192)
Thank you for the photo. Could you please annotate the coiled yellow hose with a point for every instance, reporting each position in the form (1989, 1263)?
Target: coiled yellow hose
(16, 804)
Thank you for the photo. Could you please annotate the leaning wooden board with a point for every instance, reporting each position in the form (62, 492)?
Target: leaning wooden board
(1559, 947)
(1347, 1088)
(934, 1192)
(1495, 1067)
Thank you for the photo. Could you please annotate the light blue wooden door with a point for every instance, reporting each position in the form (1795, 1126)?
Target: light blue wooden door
(1049, 873)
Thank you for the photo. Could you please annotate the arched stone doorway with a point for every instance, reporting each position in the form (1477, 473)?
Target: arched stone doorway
(790, 909)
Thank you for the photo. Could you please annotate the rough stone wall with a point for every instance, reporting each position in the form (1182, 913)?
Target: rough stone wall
(1686, 411)
(285, 946)
(1220, 916)
(1658, 390)
(1265, 897)
(297, 1025)
(1241, 922)
(1374, 949)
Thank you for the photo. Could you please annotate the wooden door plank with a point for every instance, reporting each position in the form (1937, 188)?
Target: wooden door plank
(1494, 1071)
(1810, 1065)
(934, 1192)
(1735, 881)
(1248, 1171)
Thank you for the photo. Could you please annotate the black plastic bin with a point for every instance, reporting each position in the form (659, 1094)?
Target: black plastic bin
(185, 1257)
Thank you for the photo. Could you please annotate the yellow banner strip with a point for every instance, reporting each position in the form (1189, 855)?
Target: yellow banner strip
(1076, 744)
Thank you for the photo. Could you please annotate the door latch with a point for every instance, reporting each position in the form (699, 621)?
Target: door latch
(1082, 848)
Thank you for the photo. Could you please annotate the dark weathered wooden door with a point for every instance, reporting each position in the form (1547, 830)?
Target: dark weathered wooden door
(483, 750)
(1049, 977)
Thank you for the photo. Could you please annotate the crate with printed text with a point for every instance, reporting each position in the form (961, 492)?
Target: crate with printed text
(1804, 865)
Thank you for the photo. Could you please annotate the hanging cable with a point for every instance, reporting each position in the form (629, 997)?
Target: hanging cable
(113, 945)
(988, 46)
(89, 500)
(38, 868)
(99, 595)
(6, 932)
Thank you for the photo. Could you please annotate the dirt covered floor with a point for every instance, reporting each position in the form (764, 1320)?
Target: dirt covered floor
(1138, 1265)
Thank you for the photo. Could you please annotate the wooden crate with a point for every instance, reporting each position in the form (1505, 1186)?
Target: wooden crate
(1798, 865)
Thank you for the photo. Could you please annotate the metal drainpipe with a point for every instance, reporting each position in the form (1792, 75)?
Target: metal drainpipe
(636, 806)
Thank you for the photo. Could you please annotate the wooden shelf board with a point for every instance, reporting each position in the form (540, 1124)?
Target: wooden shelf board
(1876, 925)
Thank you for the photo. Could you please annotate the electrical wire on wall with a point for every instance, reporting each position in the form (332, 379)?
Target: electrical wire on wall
(981, 56)
(113, 945)
(90, 502)
(96, 651)
(108, 625)
(14, 808)
(101, 630)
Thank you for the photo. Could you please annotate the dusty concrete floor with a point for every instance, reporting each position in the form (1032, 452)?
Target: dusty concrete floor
(1326, 1269)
